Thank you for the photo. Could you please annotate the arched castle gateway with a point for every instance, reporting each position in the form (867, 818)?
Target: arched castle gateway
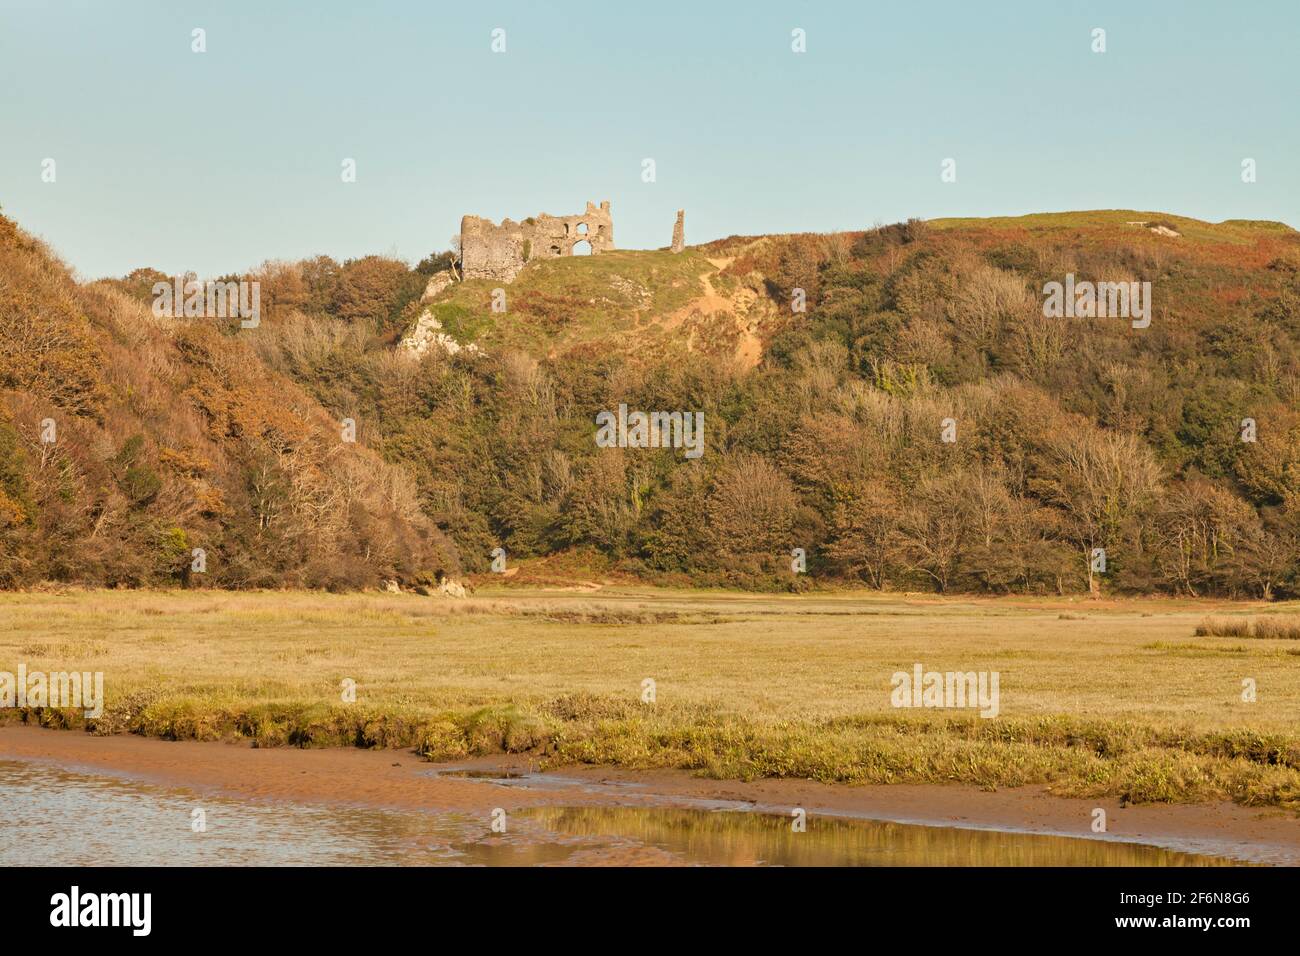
(489, 251)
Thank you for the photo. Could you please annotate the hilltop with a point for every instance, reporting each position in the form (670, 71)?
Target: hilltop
(719, 298)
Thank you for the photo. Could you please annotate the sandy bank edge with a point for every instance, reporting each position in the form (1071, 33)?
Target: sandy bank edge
(402, 780)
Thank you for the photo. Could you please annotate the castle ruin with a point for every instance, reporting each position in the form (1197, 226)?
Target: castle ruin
(489, 251)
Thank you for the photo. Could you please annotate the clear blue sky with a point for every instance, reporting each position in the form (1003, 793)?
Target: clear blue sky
(217, 161)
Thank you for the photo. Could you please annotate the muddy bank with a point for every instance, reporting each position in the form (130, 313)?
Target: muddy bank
(401, 780)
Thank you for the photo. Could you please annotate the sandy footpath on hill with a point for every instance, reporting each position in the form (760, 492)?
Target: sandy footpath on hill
(402, 780)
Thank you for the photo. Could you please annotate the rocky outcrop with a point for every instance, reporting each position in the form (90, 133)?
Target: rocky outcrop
(437, 283)
(450, 588)
(1160, 229)
(428, 334)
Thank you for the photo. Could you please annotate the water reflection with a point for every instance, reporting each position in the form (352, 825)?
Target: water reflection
(749, 839)
(56, 817)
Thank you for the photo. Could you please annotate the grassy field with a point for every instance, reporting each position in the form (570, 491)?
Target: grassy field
(1114, 698)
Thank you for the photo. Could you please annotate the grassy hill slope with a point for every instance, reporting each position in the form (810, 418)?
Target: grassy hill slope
(622, 301)
(825, 423)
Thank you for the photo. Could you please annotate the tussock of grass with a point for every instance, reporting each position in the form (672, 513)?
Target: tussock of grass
(1076, 756)
(596, 616)
(1275, 628)
(1196, 650)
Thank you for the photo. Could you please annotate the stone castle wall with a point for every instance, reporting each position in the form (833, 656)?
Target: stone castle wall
(491, 251)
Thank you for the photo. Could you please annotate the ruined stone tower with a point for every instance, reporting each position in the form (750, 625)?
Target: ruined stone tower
(679, 232)
(489, 251)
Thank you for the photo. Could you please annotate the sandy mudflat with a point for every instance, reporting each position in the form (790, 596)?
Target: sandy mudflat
(400, 779)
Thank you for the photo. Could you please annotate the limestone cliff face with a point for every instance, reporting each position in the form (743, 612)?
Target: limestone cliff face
(437, 282)
(491, 251)
(428, 334)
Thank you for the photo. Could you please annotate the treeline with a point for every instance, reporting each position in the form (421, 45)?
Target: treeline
(1069, 437)
(143, 452)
